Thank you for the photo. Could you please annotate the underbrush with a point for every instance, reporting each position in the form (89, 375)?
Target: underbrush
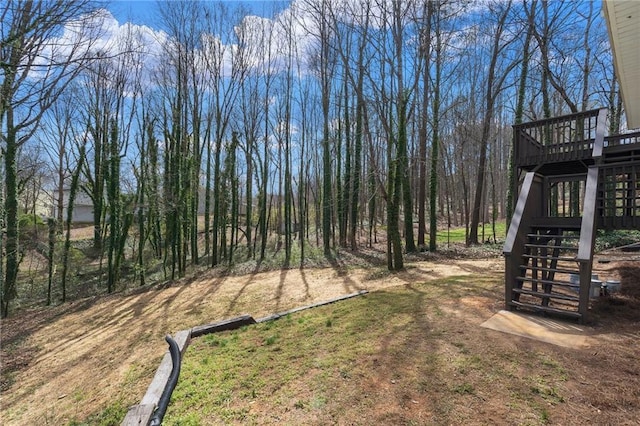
(87, 271)
(612, 239)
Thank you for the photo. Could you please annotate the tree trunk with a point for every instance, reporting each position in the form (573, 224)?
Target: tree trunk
(73, 189)
(433, 181)
(493, 87)
(9, 291)
(425, 52)
(207, 193)
(357, 161)
(402, 173)
(113, 191)
(249, 196)
(512, 183)
(216, 201)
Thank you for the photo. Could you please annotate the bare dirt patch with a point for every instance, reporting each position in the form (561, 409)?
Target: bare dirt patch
(71, 361)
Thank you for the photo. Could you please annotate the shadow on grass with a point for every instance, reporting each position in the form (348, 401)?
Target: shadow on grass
(343, 272)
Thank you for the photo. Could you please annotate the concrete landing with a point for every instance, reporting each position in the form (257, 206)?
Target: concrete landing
(547, 330)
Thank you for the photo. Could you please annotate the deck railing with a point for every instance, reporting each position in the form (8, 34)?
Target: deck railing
(559, 139)
(565, 195)
(622, 140)
(618, 196)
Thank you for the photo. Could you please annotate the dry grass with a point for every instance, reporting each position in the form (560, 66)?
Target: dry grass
(88, 360)
(88, 356)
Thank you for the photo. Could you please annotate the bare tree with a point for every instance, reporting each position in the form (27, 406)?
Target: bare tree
(73, 190)
(494, 85)
(56, 140)
(325, 71)
(37, 65)
(224, 80)
(425, 53)
(251, 37)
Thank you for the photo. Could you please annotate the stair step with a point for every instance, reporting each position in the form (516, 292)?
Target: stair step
(560, 258)
(569, 223)
(554, 236)
(548, 295)
(541, 281)
(540, 308)
(559, 270)
(550, 246)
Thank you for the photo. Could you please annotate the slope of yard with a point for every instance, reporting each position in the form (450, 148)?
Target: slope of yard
(410, 355)
(82, 358)
(88, 360)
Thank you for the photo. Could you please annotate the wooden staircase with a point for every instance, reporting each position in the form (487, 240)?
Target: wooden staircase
(550, 243)
(572, 179)
(549, 274)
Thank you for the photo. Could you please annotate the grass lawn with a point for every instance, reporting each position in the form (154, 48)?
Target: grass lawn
(457, 235)
(409, 355)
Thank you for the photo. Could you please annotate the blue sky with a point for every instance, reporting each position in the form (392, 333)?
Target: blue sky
(141, 12)
(145, 12)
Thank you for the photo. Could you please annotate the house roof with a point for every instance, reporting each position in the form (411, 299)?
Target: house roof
(623, 22)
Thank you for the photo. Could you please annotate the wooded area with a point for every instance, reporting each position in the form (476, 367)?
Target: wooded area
(324, 124)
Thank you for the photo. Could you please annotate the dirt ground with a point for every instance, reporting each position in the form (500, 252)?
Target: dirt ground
(74, 360)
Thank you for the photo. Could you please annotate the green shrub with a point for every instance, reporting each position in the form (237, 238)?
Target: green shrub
(29, 221)
(615, 238)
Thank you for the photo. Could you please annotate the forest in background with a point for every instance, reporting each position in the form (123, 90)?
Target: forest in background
(319, 125)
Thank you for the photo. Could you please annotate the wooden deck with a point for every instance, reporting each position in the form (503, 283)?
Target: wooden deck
(575, 179)
(562, 149)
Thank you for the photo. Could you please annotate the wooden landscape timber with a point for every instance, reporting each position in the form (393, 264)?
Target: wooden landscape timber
(142, 413)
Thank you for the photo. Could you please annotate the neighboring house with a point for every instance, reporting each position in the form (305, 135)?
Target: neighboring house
(37, 202)
(82, 207)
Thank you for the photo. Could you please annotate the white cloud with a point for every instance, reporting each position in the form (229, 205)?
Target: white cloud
(99, 33)
(263, 44)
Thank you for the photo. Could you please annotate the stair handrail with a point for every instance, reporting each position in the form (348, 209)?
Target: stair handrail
(588, 226)
(521, 214)
(528, 206)
(587, 239)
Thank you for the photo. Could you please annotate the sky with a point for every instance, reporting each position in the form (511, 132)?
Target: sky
(145, 12)
(144, 18)
(139, 12)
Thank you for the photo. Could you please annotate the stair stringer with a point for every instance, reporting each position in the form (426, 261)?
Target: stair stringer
(530, 204)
